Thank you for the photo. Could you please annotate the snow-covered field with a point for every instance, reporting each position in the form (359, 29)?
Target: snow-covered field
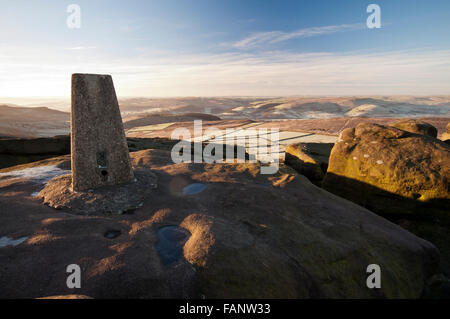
(38, 174)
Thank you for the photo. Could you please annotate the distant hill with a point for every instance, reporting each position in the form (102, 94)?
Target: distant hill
(332, 107)
(292, 107)
(42, 120)
(16, 121)
(15, 112)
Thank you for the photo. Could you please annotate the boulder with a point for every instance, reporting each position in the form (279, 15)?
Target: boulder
(309, 159)
(416, 126)
(389, 170)
(446, 135)
(244, 235)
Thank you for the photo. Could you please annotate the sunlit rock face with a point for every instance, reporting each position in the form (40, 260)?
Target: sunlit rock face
(309, 159)
(416, 126)
(446, 135)
(67, 297)
(389, 170)
(288, 239)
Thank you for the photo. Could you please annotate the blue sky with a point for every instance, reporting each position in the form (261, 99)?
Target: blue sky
(227, 47)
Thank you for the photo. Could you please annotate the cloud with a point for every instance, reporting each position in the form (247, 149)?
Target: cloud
(272, 37)
(46, 72)
(81, 48)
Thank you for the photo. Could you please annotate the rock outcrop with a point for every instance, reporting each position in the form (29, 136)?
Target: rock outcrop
(21, 151)
(117, 199)
(248, 236)
(390, 170)
(67, 297)
(309, 159)
(416, 126)
(446, 135)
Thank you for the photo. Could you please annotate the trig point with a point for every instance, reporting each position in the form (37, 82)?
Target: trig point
(99, 156)
(98, 145)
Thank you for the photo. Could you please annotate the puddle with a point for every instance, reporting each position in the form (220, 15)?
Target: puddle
(194, 188)
(111, 234)
(171, 240)
(129, 211)
(6, 241)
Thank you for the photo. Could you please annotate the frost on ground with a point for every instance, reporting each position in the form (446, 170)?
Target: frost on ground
(39, 174)
(6, 241)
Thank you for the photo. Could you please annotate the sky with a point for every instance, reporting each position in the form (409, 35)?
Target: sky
(166, 48)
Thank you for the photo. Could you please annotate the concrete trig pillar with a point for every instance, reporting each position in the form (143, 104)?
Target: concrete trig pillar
(99, 150)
